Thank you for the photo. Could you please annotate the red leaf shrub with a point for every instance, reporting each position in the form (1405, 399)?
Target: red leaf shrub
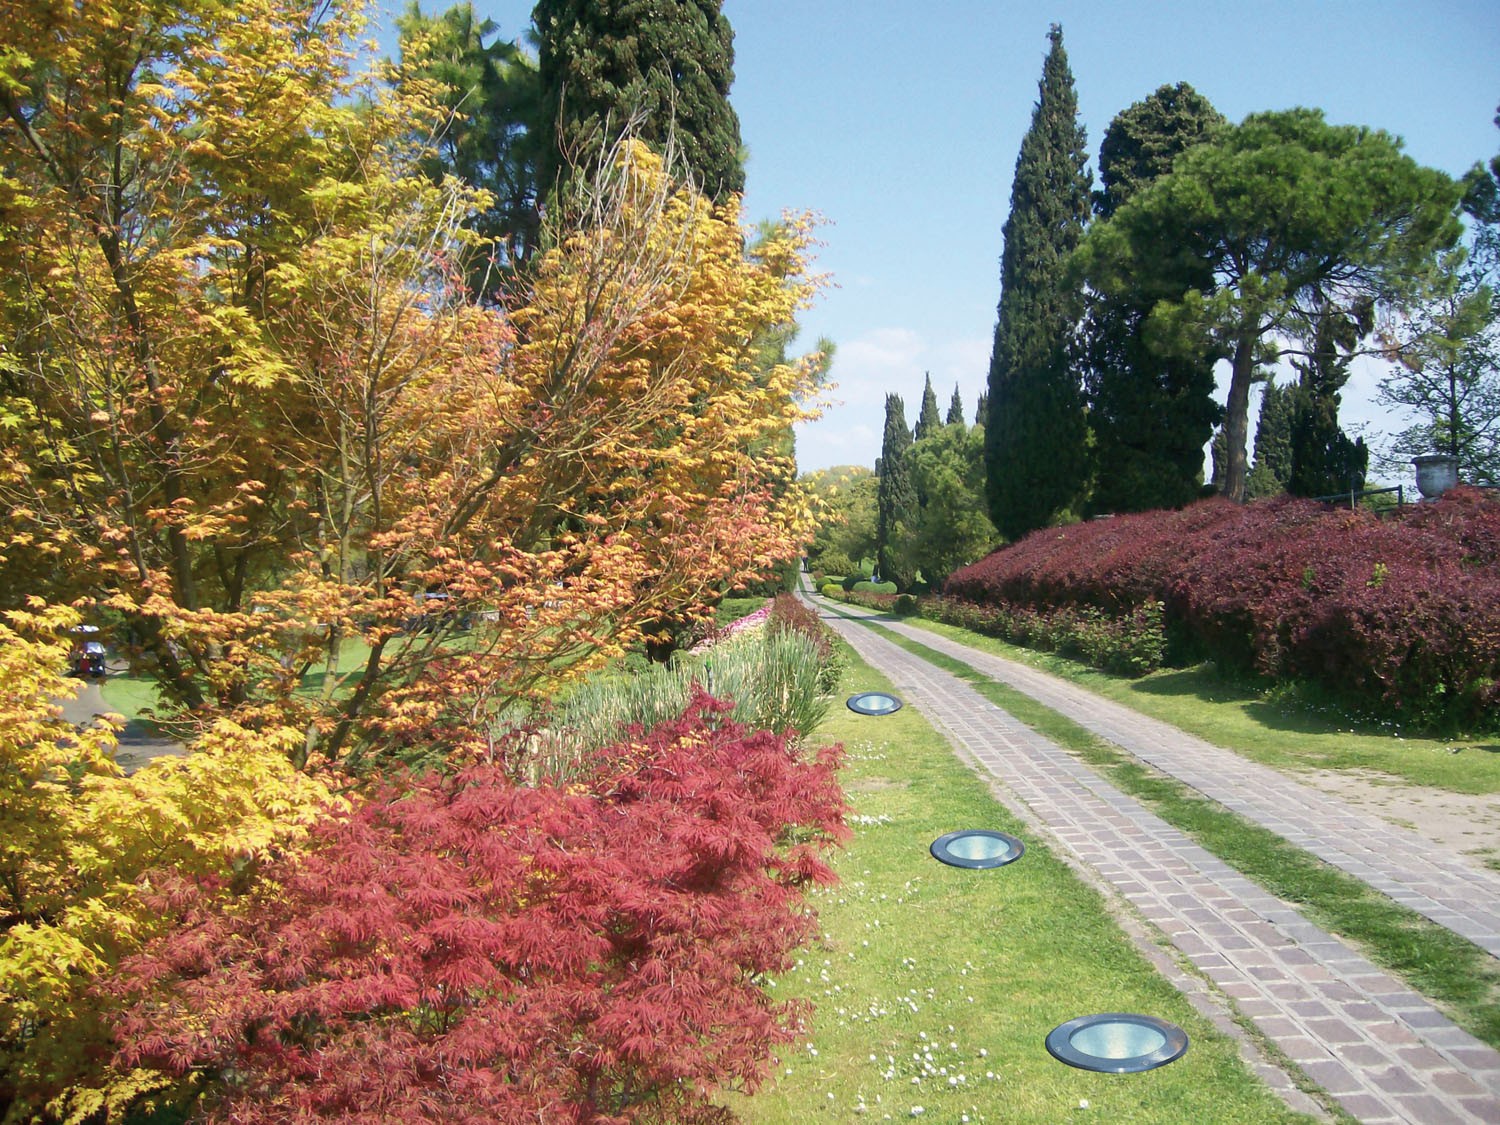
(1401, 613)
(464, 949)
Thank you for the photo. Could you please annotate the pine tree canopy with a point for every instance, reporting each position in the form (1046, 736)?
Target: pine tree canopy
(1285, 210)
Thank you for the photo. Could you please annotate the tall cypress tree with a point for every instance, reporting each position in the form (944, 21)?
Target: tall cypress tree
(955, 409)
(670, 61)
(895, 497)
(1273, 444)
(1036, 462)
(929, 419)
(1150, 414)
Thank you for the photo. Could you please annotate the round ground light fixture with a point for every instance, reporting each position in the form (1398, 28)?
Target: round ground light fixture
(1117, 1043)
(977, 848)
(873, 703)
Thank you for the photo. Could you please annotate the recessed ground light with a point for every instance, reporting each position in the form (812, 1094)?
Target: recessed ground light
(977, 847)
(873, 703)
(1117, 1043)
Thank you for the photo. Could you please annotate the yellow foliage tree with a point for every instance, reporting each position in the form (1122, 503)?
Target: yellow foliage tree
(246, 405)
(78, 844)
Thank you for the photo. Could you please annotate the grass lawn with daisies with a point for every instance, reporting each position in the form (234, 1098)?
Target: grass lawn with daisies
(936, 986)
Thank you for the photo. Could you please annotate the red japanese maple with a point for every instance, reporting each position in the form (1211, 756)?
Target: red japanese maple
(463, 948)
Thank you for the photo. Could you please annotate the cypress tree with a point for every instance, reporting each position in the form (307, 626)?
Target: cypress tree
(1218, 452)
(669, 61)
(1036, 463)
(1150, 414)
(1273, 444)
(955, 409)
(895, 496)
(982, 410)
(1324, 461)
(929, 419)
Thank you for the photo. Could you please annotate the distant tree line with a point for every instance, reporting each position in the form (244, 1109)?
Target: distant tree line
(921, 514)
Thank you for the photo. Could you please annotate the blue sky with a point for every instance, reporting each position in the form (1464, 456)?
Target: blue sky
(899, 121)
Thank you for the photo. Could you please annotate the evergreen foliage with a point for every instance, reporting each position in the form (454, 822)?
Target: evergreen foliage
(669, 63)
(493, 95)
(1143, 141)
(1150, 413)
(1273, 443)
(950, 528)
(1286, 212)
(955, 409)
(896, 496)
(982, 410)
(1036, 450)
(1449, 376)
(1449, 351)
(929, 421)
(1218, 453)
(1324, 460)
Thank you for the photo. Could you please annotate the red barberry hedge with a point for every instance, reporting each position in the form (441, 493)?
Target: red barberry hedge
(466, 949)
(1399, 614)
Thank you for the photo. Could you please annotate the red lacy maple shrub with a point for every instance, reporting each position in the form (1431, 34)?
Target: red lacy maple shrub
(464, 949)
(1400, 614)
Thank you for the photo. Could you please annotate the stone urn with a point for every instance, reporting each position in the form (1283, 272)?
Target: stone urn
(1436, 474)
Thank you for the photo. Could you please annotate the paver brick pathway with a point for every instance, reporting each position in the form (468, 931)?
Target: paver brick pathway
(1441, 885)
(1378, 1049)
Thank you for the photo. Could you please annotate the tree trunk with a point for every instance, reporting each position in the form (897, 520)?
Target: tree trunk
(1237, 418)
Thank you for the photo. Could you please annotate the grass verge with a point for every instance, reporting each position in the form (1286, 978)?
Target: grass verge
(935, 987)
(1454, 973)
(1280, 727)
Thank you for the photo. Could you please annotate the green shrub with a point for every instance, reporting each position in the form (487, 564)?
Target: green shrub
(836, 562)
(1130, 644)
(867, 587)
(831, 590)
(906, 605)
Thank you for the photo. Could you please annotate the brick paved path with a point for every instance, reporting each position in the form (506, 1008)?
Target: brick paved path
(1380, 1050)
(1445, 887)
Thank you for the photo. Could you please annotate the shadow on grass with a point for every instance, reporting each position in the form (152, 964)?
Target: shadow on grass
(1200, 683)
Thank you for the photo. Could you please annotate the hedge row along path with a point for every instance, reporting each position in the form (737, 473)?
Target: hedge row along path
(1379, 1050)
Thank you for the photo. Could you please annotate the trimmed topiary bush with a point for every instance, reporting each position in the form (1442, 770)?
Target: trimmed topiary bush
(874, 588)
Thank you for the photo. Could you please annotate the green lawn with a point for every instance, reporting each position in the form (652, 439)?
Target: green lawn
(935, 986)
(1279, 727)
